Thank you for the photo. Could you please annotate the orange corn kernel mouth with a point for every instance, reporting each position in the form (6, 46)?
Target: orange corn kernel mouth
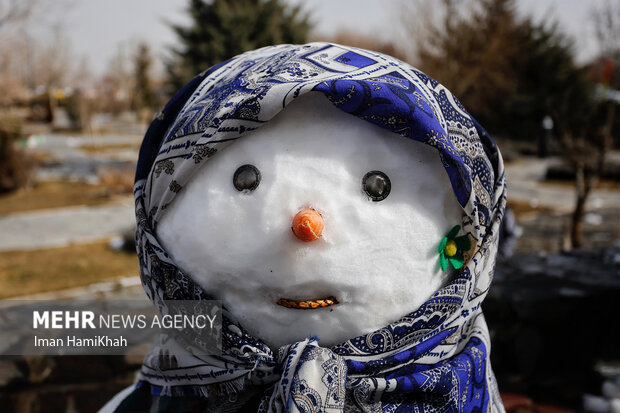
(307, 304)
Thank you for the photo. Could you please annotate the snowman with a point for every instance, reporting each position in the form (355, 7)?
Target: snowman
(344, 209)
(313, 225)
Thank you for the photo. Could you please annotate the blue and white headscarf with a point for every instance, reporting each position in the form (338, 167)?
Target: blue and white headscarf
(434, 359)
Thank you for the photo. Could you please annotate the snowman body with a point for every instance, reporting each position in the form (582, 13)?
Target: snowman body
(376, 257)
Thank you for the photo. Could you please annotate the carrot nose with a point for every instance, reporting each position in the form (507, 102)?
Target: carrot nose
(308, 225)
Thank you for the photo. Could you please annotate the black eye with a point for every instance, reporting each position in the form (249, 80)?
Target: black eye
(246, 178)
(377, 185)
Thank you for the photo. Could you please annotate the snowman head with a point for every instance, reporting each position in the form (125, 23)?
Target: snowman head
(316, 224)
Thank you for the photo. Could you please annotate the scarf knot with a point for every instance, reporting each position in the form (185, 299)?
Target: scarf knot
(313, 379)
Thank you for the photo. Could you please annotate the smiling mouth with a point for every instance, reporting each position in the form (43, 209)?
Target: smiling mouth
(307, 304)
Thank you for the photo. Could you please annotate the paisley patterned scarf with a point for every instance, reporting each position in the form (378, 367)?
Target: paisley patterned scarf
(435, 358)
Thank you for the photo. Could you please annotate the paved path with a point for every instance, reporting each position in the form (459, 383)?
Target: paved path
(62, 226)
(75, 164)
(525, 184)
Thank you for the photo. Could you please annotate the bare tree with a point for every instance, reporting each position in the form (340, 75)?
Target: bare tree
(606, 23)
(143, 99)
(115, 87)
(587, 152)
(34, 50)
(426, 25)
(587, 160)
(13, 11)
(54, 60)
(15, 48)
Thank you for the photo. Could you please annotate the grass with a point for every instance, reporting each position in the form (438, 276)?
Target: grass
(521, 208)
(29, 272)
(54, 194)
(108, 148)
(600, 184)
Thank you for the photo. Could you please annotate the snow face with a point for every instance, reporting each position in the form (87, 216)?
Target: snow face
(378, 259)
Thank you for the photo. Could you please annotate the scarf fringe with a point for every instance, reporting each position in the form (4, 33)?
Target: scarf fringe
(227, 388)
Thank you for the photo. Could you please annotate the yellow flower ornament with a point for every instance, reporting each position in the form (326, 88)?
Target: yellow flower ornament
(451, 249)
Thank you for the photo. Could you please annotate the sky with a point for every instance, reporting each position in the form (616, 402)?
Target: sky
(97, 28)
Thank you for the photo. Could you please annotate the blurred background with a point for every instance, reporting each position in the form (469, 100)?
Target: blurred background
(81, 80)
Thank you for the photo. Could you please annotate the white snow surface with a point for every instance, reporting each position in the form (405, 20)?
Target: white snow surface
(379, 259)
